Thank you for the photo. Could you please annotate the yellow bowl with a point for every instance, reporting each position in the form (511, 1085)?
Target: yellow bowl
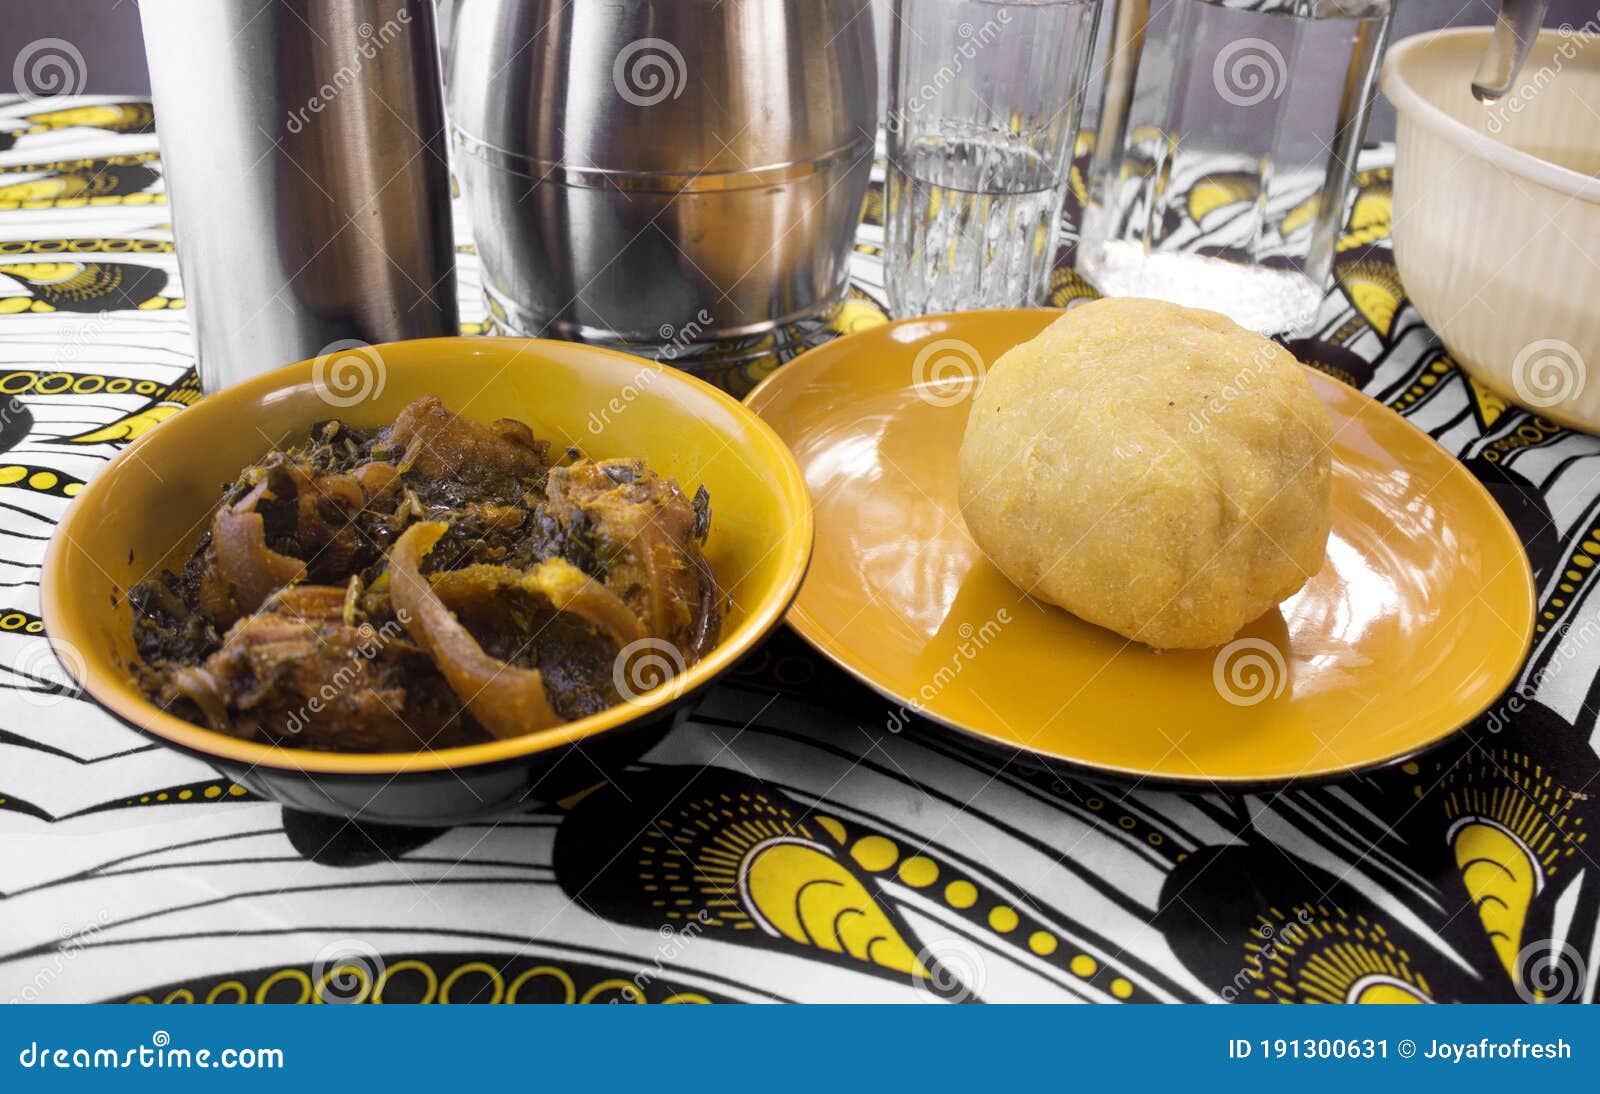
(148, 507)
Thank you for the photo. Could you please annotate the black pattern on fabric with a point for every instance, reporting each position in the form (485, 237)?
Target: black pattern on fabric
(779, 843)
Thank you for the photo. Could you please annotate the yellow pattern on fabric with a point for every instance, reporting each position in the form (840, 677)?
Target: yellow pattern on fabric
(1374, 288)
(40, 480)
(165, 402)
(1220, 191)
(1502, 878)
(1426, 381)
(1370, 214)
(477, 980)
(1511, 825)
(805, 894)
(1486, 402)
(1301, 215)
(754, 866)
(1316, 953)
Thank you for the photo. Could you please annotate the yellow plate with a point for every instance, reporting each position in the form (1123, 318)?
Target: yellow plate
(1421, 617)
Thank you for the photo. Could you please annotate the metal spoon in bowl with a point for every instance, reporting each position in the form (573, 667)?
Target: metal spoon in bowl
(1514, 32)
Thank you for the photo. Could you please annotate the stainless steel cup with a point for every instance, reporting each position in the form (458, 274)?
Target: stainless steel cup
(635, 167)
(304, 149)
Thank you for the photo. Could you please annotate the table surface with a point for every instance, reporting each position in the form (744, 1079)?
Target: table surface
(129, 872)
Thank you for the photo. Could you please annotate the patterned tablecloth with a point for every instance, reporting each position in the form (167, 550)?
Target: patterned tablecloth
(877, 866)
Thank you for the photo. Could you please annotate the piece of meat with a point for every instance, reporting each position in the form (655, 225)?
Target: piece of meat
(325, 533)
(241, 570)
(295, 523)
(438, 444)
(643, 536)
(300, 672)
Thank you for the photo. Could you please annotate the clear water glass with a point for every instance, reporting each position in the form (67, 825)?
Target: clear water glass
(1224, 151)
(984, 104)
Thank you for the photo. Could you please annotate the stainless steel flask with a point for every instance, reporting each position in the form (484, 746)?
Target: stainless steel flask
(635, 168)
(304, 151)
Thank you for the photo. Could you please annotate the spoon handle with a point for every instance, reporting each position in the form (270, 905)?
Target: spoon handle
(1514, 32)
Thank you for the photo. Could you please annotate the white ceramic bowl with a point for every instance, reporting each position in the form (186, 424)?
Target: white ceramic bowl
(1497, 214)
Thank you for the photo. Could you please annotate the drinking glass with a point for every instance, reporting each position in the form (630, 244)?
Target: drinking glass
(984, 104)
(1227, 138)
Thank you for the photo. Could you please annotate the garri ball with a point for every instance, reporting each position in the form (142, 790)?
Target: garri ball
(1153, 469)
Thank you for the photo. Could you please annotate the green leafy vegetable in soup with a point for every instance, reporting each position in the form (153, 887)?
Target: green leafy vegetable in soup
(432, 583)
